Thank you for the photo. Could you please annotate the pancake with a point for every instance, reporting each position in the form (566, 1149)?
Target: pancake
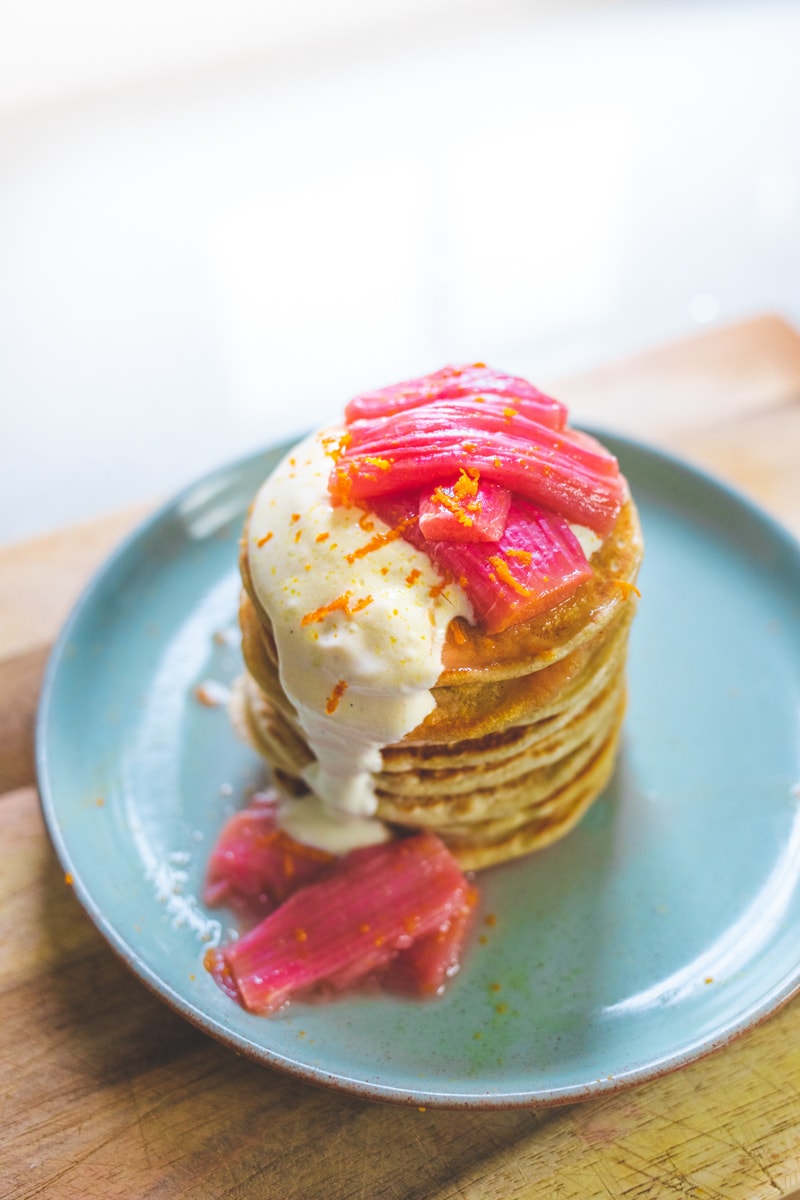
(524, 726)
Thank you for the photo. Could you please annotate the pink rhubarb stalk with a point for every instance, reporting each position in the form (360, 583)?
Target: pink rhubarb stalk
(426, 966)
(254, 865)
(537, 563)
(467, 511)
(566, 472)
(453, 383)
(378, 901)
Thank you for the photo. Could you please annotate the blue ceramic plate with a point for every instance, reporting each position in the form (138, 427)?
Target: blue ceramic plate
(665, 924)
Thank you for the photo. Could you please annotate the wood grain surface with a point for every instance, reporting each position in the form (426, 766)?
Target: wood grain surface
(104, 1092)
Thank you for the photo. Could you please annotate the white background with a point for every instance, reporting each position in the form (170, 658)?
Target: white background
(218, 221)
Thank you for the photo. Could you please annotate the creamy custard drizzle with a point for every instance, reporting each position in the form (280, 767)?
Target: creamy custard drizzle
(359, 637)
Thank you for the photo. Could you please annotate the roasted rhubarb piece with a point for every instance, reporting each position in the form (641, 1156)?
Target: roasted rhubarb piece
(464, 441)
(469, 510)
(425, 967)
(535, 564)
(255, 865)
(562, 470)
(452, 383)
(378, 902)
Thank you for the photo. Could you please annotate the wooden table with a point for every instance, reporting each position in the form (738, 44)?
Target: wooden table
(105, 1092)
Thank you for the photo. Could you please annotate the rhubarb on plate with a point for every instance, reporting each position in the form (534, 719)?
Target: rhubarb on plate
(438, 591)
(395, 913)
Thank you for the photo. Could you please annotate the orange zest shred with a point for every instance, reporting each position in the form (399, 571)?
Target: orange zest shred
(215, 964)
(442, 497)
(383, 464)
(413, 576)
(503, 572)
(340, 604)
(524, 556)
(627, 587)
(335, 697)
(295, 518)
(344, 486)
(467, 483)
(381, 539)
(335, 446)
(366, 524)
(322, 537)
(359, 605)
(263, 541)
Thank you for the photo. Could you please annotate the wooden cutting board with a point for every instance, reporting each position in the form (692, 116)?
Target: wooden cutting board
(105, 1092)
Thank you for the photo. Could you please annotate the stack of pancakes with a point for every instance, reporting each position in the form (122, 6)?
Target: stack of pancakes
(526, 724)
